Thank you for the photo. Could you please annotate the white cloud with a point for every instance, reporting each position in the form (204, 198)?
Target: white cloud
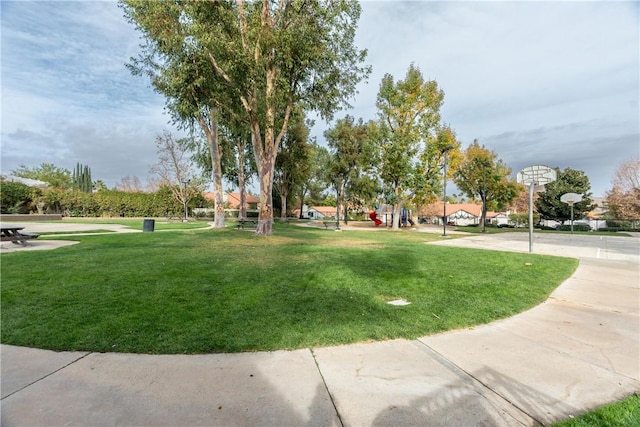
(538, 82)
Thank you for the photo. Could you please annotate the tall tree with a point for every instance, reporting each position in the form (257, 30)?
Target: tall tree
(568, 180)
(179, 69)
(293, 162)
(47, 172)
(82, 178)
(352, 157)
(317, 176)
(269, 55)
(482, 175)
(413, 142)
(624, 197)
(240, 165)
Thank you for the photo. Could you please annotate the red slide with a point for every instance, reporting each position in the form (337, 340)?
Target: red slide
(374, 218)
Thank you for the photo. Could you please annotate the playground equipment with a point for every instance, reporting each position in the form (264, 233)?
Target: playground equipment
(374, 217)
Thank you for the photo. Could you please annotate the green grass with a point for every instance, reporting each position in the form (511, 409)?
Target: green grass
(625, 413)
(160, 224)
(227, 290)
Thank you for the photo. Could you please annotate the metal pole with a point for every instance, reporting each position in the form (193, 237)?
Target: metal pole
(185, 202)
(185, 199)
(531, 189)
(444, 196)
(337, 209)
(571, 218)
(484, 197)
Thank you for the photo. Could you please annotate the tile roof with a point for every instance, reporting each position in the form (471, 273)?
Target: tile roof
(233, 199)
(324, 210)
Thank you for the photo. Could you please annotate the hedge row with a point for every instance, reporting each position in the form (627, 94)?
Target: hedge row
(19, 198)
(576, 227)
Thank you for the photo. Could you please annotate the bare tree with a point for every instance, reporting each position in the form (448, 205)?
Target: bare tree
(174, 168)
(624, 197)
(129, 184)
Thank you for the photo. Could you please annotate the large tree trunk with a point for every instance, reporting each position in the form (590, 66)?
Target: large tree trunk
(283, 202)
(397, 208)
(216, 155)
(265, 207)
(339, 202)
(242, 214)
(483, 218)
(302, 194)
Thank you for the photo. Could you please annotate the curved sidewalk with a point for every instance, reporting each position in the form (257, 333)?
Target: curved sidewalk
(576, 351)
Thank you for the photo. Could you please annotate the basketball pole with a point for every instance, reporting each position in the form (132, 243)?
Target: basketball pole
(531, 188)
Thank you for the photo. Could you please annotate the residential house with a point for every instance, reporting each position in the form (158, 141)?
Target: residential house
(232, 200)
(320, 212)
(460, 214)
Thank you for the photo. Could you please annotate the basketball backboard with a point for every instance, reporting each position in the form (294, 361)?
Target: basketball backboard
(571, 198)
(536, 175)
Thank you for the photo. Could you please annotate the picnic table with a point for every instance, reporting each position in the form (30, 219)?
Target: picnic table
(13, 234)
(247, 223)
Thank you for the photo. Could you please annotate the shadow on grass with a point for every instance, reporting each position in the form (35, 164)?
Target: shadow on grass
(228, 291)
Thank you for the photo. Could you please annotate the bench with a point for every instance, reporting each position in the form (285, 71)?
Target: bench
(251, 224)
(170, 217)
(14, 235)
(330, 224)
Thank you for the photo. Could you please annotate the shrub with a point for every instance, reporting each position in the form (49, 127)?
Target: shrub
(576, 227)
(15, 197)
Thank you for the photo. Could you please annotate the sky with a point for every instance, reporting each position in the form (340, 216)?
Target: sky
(539, 83)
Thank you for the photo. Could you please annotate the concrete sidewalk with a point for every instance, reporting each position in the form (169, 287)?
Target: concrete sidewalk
(578, 350)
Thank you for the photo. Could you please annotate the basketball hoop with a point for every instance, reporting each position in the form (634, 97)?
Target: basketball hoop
(570, 199)
(535, 177)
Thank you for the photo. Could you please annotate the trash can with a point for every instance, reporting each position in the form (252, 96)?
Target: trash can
(148, 224)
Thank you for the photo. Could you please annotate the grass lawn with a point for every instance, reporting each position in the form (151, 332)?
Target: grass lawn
(202, 291)
(625, 413)
(160, 224)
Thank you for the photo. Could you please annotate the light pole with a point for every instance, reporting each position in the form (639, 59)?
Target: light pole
(445, 151)
(184, 199)
(485, 164)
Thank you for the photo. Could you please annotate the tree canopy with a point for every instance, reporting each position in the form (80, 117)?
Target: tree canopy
(411, 138)
(293, 164)
(352, 157)
(482, 175)
(266, 56)
(47, 172)
(548, 204)
(624, 197)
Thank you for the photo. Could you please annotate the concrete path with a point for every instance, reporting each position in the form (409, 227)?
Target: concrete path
(578, 350)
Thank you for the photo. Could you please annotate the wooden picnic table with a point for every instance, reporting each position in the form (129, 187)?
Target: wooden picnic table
(247, 223)
(12, 233)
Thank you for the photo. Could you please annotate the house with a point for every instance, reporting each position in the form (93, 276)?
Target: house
(232, 200)
(460, 214)
(320, 212)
